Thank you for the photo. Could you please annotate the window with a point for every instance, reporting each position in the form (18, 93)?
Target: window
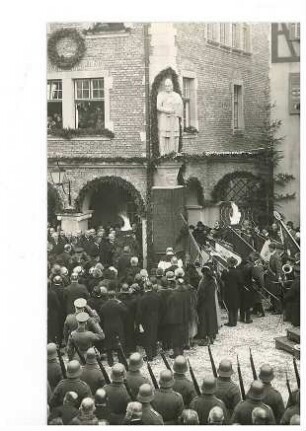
(189, 102)
(246, 38)
(224, 33)
(212, 32)
(235, 36)
(89, 103)
(237, 108)
(54, 107)
(294, 31)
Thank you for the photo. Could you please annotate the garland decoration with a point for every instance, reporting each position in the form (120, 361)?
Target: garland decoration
(60, 60)
(166, 73)
(194, 184)
(102, 27)
(191, 129)
(67, 133)
(119, 182)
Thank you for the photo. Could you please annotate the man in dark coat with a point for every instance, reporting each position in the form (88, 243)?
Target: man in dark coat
(54, 372)
(207, 400)
(274, 277)
(246, 292)
(179, 315)
(232, 285)
(272, 397)
(124, 262)
(113, 315)
(182, 385)
(292, 298)
(71, 383)
(73, 292)
(243, 411)
(54, 314)
(57, 287)
(128, 300)
(227, 390)
(118, 397)
(208, 324)
(168, 403)
(147, 318)
(164, 334)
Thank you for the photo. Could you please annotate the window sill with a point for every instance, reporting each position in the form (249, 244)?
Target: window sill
(238, 132)
(79, 138)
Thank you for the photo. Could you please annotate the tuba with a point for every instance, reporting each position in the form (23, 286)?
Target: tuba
(287, 269)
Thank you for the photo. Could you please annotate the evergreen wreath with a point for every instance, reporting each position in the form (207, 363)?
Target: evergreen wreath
(67, 133)
(166, 73)
(60, 60)
(194, 184)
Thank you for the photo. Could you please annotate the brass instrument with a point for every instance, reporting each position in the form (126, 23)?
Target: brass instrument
(287, 269)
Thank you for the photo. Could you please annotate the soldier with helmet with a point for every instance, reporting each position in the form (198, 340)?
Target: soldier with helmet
(167, 402)
(207, 400)
(91, 373)
(272, 397)
(118, 397)
(243, 411)
(54, 372)
(227, 390)
(145, 397)
(134, 377)
(82, 337)
(71, 383)
(182, 385)
(101, 402)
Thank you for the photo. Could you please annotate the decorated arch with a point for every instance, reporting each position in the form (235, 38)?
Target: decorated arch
(194, 187)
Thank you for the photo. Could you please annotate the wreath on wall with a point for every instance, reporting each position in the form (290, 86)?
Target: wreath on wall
(95, 184)
(194, 184)
(166, 73)
(62, 61)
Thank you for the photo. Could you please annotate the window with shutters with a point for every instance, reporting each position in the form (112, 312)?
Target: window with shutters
(54, 104)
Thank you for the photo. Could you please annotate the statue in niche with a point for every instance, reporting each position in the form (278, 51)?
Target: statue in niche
(170, 111)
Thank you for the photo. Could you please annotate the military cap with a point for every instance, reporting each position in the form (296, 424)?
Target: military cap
(145, 393)
(74, 369)
(166, 379)
(170, 275)
(135, 362)
(266, 373)
(91, 356)
(225, 368)
(180, 365)
(256, 391)
(82, 317)
(80, 303)
(216, 415)
(209, 385)
(118, 373)
(51, 351)
(179, 273)
(57, 279)
(190, 417)
(169, 251)
(100, 396)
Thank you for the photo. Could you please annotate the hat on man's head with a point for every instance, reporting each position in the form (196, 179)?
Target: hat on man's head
(74, 369)
(170, 275)
(80, 303)
(118, 373)
(91, 357)
(225, 368)
(79, 249)
(51, 351)
(166, 379)
(169, 251)
(209, 385)
(145, 393)
(82, 317)
(180, 365)
(135, 362)
(256, 391)
(266, 373)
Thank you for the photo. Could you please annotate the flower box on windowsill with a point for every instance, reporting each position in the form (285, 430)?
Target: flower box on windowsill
(191, 130)
(80, 133)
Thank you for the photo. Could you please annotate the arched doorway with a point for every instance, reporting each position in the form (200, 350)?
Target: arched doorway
(245, 190)
(54, 205)
(114, 202)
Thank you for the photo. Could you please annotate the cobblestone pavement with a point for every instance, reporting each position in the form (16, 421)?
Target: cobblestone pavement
(230, 341)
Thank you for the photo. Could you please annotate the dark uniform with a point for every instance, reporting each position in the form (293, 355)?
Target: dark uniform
(228, 392)
(185, 387)
(118, 399)
(203, 404)
(149, 415)
(73, 292)
(232, 280)
(135, 379)
(91, 373)
(274, 399)
(169, 404)
(243, 412)
(54, 373)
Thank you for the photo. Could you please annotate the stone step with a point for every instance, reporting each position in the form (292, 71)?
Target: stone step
(293, 334)
(289, 346)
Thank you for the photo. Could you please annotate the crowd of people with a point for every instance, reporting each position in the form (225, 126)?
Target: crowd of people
(101, 299)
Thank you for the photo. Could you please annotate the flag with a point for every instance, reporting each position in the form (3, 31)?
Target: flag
(240, 245)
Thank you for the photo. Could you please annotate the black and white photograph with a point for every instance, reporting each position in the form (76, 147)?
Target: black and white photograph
(152, 214)
(173, 223)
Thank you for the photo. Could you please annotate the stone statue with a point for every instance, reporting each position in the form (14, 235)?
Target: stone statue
(170, 110)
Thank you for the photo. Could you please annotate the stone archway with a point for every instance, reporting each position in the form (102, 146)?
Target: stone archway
(54, 204)
(113, 200)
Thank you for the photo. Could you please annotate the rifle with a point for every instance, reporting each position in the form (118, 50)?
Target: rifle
(194, 380)
(121, 355)
(297, 376)
(102, 368)
(81, 356)
(63, 369)
(289, 389)
(213, 367)
(162, 354)
(240, 379)
(253, 366)
(153, 378)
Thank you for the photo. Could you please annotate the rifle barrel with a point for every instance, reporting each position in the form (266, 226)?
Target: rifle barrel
(289, 388)
(153, 378)
(162, 354)
(296, 371)
(253, 366)
(82, 359)
(62, 365)
(213, 367)
(102, 368)
(240, 379)
(194, 380)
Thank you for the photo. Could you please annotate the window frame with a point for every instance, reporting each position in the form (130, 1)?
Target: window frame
(193, 105)
(49, 93)
(89, 99)
(240, 108)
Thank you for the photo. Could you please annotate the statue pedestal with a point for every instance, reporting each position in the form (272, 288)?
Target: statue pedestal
(168, 204)
(74, 222)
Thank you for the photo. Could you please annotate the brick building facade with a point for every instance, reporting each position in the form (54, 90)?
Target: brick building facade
(223, 75)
